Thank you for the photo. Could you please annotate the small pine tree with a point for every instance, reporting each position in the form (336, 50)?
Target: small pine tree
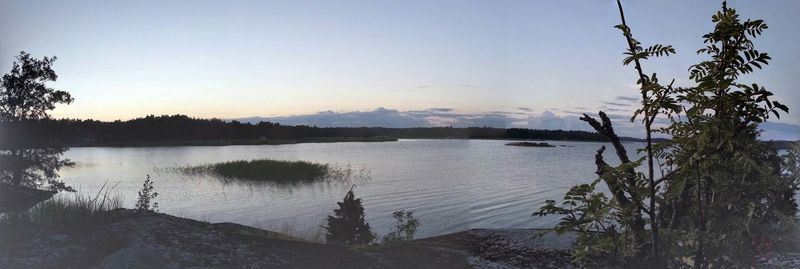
(146, 196)
(348, 226)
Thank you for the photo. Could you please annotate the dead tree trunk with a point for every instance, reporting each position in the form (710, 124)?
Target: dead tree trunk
(618, 186)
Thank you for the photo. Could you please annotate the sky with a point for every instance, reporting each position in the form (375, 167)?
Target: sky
(536, 64)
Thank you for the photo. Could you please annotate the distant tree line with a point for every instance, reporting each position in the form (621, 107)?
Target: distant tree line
(183, 128)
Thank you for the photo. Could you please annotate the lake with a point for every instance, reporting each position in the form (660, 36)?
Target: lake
(451, 185)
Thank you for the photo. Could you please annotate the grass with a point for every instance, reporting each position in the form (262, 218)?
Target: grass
(263, 170)
(275, 171)
(63, 213)
(531, 144)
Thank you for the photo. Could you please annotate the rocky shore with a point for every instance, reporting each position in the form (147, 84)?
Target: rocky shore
(140, 239)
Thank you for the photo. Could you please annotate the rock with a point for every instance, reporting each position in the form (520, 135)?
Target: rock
(520, 248)
(142, 239)
(14, 199)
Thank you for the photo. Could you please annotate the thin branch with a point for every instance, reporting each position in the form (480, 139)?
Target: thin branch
(648, 123)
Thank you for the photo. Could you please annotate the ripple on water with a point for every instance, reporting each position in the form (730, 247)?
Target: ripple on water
(450, 185)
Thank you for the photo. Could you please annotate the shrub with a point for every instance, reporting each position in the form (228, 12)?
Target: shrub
(147, 196)
(404, 229)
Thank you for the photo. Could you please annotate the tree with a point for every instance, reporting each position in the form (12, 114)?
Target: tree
(721, 189)
(29, 160)
(726, 186)
(348, 226)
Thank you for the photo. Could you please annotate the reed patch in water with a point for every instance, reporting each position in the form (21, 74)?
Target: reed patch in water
(279, 171)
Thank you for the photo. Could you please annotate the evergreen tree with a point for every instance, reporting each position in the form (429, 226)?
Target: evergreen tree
(348, 226)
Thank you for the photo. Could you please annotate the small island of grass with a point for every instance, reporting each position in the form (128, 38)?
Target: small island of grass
(531, 144)
(264, 170)
(277, 171)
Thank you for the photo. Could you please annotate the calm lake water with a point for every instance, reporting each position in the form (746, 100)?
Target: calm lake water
(451, 185)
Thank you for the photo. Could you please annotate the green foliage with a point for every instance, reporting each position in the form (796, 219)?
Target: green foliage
(347, 226)
(147, 195)
(722, 192)
(637, 53)
(404, 229)
(604, 239)
(791, 165)
(727, 187)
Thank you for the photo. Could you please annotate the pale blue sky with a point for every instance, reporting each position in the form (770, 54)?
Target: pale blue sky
(231, 59)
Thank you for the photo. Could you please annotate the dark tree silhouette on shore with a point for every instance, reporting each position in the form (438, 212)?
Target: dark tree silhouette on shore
(348, 226)
(28, 161)
(179, 128)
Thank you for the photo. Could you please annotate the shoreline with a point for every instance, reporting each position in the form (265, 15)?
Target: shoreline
(275, 142)
(158, 240)
(227, 142)
(780, 145)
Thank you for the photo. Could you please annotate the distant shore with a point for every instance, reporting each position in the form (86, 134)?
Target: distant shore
(230, 142)
(780, 145)
(246, 142)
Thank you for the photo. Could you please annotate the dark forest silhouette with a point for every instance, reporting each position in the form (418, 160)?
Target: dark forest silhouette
(184, 128)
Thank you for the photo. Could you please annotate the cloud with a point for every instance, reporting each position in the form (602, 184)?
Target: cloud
(380, 117)
(383, 117)
(465, 85)
(627, 99)
(613, 109)
(439, 117)
(615, 104)
(524, 109)
(432, 117)
(551, 121)
(423, 86)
